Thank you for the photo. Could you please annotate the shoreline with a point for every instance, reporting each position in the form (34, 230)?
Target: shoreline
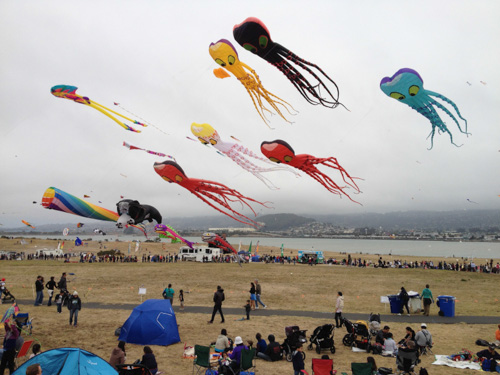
(164, 248)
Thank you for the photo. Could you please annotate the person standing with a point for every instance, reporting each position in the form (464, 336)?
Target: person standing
(247, 309)
(298, 360)
(63, 284)
(181, 299)
(218, 299)
(253, 298)
(427, 299)
(339, 306)
(51, 284)
(497, 337)
(39, 290)
(168, 293)
(9, 347)
(74, 306)
(258, 292)
(405, 298)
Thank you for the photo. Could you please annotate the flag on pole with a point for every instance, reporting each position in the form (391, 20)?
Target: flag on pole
(129, 247)
(250, 249)
(62, 245)
(257, 248)
(282, 250)
(239, 247)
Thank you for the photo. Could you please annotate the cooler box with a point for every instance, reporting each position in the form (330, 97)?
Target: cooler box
(395, 303)
(447, 305)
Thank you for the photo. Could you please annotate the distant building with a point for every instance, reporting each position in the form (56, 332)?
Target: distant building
(229, 230)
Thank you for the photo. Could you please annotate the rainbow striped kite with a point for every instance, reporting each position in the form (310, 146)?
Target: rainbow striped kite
(55, 199)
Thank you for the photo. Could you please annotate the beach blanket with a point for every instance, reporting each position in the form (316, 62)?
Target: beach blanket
(443, 360)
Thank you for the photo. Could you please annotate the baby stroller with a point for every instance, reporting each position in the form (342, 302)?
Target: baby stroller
(322, 337)
(294, 337)
(406, 361)
(374, 323)
(6, 295)
(358, 334)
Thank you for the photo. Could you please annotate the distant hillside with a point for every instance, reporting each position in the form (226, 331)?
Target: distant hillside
(410, 220)
(279, 222)
(417, 220)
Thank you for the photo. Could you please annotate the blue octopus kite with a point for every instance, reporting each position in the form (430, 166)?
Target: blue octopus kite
(407, 86)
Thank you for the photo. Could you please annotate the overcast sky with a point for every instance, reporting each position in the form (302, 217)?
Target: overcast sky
(152, 57)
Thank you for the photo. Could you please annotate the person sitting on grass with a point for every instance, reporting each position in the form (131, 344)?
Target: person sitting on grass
(261, 344)
(488, 353)
(149, 360)
(381, 335)
(36, 349)
(390, 345)
(374, 365)
(222, 344)
(273, 352)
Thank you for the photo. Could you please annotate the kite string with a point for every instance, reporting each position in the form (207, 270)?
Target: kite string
(139, 117)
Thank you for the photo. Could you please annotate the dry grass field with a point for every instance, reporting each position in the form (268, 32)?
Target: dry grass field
(285, 287)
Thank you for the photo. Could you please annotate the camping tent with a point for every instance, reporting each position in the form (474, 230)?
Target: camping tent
(151, 323)
(69, 361)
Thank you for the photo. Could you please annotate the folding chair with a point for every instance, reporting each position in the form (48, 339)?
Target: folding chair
(24, 322)
(363, 368)
(23, 352)
(247, 361)
(201, 360)
(322, 366)
(134, 369)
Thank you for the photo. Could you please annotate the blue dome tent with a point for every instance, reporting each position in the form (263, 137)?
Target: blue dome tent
(151, 323)
(69, 361)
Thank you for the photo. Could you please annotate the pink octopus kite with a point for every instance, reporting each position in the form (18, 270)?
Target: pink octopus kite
(207, 135)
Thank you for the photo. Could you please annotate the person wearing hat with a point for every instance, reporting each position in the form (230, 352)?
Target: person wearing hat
(235, 356)
(488, 353)
(423, 338)
(74, 306)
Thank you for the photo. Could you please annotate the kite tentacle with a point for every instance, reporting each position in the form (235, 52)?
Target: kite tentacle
(122, 124)
(450, 102)
(332, 162)
(445, 110)
(328, 183)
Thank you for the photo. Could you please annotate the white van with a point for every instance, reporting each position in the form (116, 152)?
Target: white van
(198, 252)
(47, 252)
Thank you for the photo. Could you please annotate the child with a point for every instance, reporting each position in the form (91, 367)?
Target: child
(36, 350)
(298, 360)
(248, 307)
(181, 299)
(59, 301)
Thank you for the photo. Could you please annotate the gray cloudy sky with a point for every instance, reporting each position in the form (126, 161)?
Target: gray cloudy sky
(152, 57)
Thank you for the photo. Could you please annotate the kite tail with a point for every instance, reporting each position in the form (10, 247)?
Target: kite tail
(122, 124)
(248, 220)
(118, 114)
(330, 185)
(436, 120)
(333, 163)
(445, 99)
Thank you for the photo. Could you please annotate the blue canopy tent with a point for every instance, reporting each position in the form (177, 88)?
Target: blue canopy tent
(151, 323)
(69, 361)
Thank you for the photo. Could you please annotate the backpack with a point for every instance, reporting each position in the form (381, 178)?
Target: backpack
(481, 342)
(423, 371)
(488, 365)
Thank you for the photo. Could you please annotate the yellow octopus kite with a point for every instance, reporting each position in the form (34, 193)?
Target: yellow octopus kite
(224, 54)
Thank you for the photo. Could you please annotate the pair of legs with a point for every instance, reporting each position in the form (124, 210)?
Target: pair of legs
(219, 309)
(51, 293)
(403, 305)
(39, 298)
(258, 300)
(73, 313)
(8, 361)
(427, 306)
(338, 319)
